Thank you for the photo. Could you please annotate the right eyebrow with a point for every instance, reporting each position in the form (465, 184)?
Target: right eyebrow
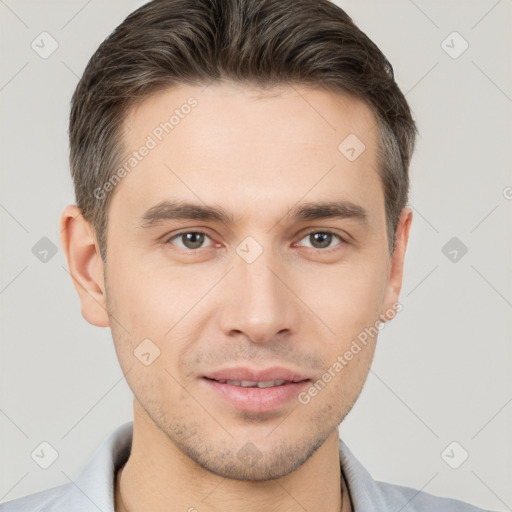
(169, 210)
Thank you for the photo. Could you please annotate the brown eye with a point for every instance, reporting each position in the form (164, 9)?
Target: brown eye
(321, 239)
(189, 239)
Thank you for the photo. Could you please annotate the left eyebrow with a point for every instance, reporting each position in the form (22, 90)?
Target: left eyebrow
(328, 210)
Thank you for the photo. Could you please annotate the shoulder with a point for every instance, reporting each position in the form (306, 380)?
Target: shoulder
(43, 501)
(92, 490)
(370, 495)
(413, 500)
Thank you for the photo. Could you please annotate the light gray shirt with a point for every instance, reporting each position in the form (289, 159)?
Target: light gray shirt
(93, 489)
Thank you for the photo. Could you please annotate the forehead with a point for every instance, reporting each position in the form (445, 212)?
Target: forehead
(300, 114)
(245, 147)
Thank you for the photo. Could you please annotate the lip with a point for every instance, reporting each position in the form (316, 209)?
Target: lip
(254, 399)
(260, 375)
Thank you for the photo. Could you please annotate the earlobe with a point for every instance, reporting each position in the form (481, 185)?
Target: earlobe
(85, 264)
(396, 264)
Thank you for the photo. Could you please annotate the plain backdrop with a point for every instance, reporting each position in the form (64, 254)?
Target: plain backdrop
(443, 368)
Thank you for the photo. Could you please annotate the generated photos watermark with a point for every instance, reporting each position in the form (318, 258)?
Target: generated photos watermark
(342, 360)
(152, 140)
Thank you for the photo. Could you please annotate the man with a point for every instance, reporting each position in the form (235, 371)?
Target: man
(241, 178)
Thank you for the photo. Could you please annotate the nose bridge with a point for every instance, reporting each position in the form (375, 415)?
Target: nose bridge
(260, 305)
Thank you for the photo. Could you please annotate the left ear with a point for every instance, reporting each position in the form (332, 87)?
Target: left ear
(396, 264)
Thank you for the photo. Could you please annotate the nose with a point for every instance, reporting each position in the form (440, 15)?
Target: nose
(260, 303)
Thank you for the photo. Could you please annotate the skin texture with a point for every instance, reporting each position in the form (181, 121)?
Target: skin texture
(298, 305)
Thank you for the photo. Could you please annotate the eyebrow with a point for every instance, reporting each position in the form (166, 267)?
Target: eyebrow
(329, 210)
(179, 210)
(170, 210)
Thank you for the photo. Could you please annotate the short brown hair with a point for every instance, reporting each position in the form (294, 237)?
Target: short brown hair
(259, 42)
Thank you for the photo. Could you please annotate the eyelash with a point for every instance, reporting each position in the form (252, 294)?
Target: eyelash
(326, 232)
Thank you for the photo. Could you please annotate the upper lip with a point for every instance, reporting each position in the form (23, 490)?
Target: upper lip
(257, 375)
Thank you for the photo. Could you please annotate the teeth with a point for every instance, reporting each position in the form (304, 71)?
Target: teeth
(253, 383)
(270, 383)
(244, 383)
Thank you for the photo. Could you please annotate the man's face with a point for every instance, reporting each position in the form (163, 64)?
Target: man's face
(269, 288)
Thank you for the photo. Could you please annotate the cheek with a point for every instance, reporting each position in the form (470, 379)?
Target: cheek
(150, 301)
(157, 312)
(353, 373)
(347, 298)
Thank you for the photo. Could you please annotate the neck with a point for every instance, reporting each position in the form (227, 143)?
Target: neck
(157, 477)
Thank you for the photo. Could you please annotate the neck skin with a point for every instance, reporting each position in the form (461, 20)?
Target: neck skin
(157, 477)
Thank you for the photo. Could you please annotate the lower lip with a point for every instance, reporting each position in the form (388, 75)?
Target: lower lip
(256, 399)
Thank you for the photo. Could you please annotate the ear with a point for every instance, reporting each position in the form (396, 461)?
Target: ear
(396, 265)
(82, 252)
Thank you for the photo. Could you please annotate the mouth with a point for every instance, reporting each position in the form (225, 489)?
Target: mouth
(259, 391)
(254, 384)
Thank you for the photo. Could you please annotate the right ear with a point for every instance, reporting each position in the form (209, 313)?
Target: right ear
(78, 239)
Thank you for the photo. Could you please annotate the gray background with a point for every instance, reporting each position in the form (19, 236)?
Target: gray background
(442, 371)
